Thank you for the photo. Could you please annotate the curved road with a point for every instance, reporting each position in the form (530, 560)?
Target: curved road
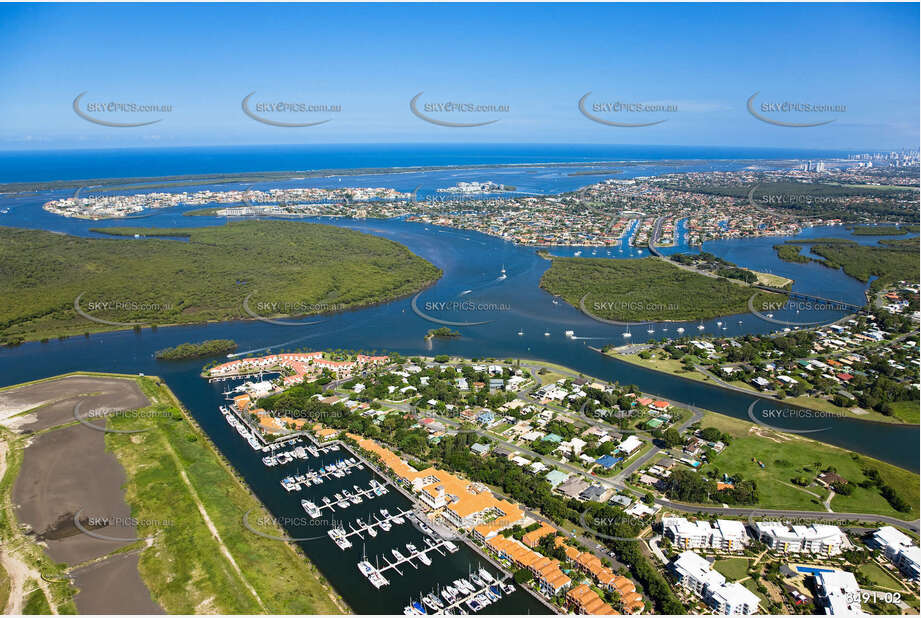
(617, 482)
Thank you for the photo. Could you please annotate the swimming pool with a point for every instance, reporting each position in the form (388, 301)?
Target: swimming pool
(813, 570)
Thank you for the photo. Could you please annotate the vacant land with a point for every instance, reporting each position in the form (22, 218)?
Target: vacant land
(246, 573)
(283, 268)
(662, 362)
(184, 550)
(646, 289)
(787, 457)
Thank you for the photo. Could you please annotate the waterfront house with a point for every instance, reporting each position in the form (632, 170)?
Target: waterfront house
(584, 600)
(532, 539)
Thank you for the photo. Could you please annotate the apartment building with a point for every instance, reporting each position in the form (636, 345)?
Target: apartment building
(726, 535)
(819, 539)
(695, 574)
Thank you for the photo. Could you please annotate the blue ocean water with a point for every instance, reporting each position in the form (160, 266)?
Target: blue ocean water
(45, 165)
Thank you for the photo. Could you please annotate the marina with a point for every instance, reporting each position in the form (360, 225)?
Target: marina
(384, 523)
(389, 327)
(461, 596)
(299, 453)
(338, 469)
(252, 438)
(412, 555)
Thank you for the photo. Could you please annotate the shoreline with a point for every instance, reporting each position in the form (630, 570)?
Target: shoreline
(120, 329)
(42, 336)
(564, 371)
(158, 392)
(705, 380)
(12, 188)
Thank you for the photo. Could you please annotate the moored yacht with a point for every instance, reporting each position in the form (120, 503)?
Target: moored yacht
(311, 508)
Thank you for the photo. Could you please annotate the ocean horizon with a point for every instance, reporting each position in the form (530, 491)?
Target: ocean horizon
(137, 162)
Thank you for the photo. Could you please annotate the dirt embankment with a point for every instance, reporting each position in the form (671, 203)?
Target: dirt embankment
(69, 489)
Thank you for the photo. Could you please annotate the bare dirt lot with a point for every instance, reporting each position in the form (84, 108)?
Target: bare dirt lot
(113, 586)
(67, 473)
(57, 399)
(64, 472)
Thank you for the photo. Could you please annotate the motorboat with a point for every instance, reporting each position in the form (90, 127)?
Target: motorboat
(311, 508)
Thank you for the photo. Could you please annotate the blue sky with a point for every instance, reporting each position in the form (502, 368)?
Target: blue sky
(706, 60)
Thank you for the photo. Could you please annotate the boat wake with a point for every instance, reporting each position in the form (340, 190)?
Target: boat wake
(274, 345)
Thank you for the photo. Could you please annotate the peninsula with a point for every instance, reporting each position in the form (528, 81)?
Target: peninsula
(61, 285)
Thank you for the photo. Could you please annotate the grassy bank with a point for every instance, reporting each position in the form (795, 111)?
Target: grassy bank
(788, 456)
(173, 473)
(662, 363)
(284, 268)
(646, 289)
(905, 412)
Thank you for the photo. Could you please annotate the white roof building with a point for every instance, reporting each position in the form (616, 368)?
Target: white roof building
(727, 535)
(839, 592)
(730, 534)
(686, 534)
(909, 561)
(630, 444)
(813, 539)
(733, 599)
(898, 548)
(695, 574)
(890, 541)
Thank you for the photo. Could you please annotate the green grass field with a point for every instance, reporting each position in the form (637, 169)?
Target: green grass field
(787, 456)
(879, 577)
(661, 362)
(186, 568)
(288, 268)
(751, 585)
(907, 411)
(733, 568)
(37, 603)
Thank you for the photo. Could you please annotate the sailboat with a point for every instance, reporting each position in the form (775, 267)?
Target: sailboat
(627, 334)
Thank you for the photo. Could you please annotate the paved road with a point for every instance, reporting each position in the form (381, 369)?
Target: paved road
(617, 482)
(788, 513)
